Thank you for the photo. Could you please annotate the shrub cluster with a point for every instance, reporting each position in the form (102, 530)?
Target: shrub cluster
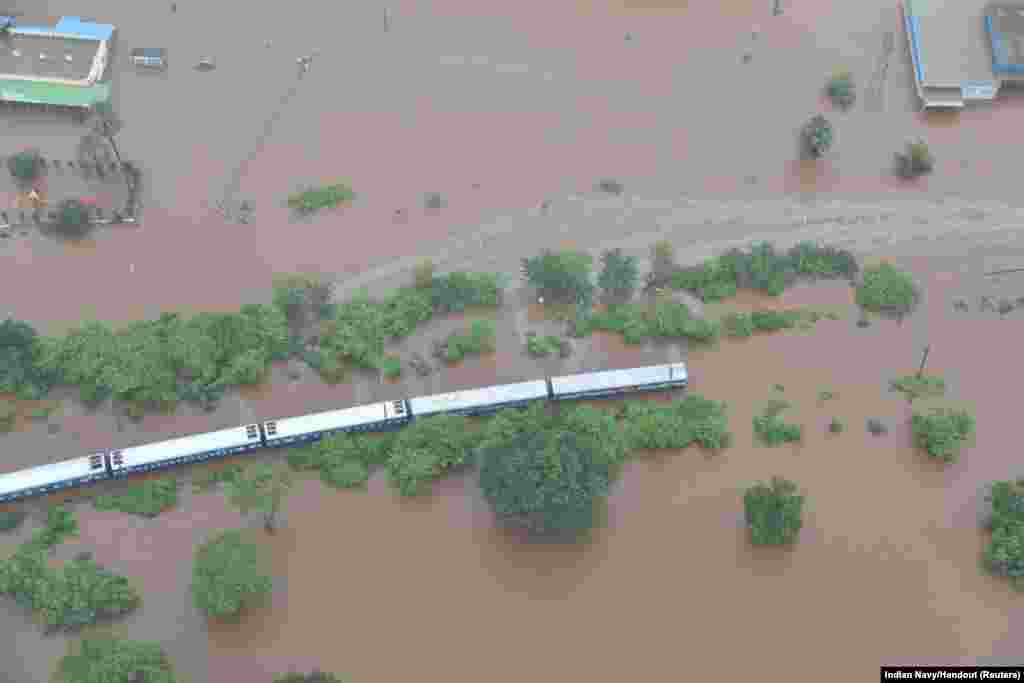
(762, 268)
(942, 431)
(677, 424)
(771, 430)
(107, 659)
(479, 338)
(427, 449)
(390, 366)
(155, 363)
(916, 161)
(20, 372)
(565, 276)
(539, 347)
(146, 498)
(313, 199)
(1004, 553)
(817, 135)
(840, 89)
(204, 478)
(79, 593)
(887, 290)
(11, 519)
(914, 387)
(774, 513)
(343, 460)
(356, 334)
(301, 297)
(228, 575)
(636, 323)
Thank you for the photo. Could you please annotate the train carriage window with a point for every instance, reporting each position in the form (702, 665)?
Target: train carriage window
(399, 407)
(95, 462)
(271, 428)
(252, 432)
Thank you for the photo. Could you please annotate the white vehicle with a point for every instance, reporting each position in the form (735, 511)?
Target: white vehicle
(186, 449)
(480, 401)
(614, 382)
(46, 478)
(373, 417)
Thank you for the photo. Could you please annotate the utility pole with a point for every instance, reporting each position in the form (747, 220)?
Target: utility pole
(924, 359)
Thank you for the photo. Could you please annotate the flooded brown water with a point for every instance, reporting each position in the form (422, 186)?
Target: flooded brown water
(881, 572)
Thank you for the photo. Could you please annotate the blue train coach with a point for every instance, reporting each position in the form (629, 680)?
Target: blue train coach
(47, 478)
(480, 401)
(199, 447)
(374, 417)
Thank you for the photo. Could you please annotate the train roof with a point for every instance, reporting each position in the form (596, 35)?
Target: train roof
(34, 477)
(615, 379)
(473, 398)
(332, 420)
(187, 445)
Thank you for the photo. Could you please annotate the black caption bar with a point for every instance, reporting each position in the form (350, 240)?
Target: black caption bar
(952, 673)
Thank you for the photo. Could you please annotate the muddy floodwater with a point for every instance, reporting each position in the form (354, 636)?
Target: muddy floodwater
(886, 569)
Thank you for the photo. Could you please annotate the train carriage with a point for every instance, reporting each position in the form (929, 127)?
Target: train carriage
(480, 401)
(609, 383)
(46, 478)
(373, 417)
(194, 448)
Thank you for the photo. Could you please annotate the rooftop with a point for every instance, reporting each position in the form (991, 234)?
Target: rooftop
(47, 57)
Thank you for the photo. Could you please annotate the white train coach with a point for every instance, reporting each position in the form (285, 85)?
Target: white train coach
(47, 478)
(607, 383)
(194, 448)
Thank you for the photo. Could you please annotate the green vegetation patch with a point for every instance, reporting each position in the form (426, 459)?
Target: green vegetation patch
(771, 430)
(539, 347)
(146, 498)
(427, 449)
(315, 198)
(941, 432)
(761, 267)
(1004, 552)
(774, 513)
(887, 290)
(11, 519)
(229, 574)
(912, 386)
(108, 659)
(637, 323)
(479, 338)
(77, 594)
(677, 424)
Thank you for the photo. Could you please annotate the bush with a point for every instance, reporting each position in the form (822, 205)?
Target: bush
(916, 161)
(887, 290)
(774, 514)
(8, 415)
(738, 324)
(1004, 553)
(391, 366)
(147, 498)
(618, 275)
(25, 166)
(72, 217)
(817, 136)
(677, 424)
(313, 199)
(228, 575)
(663, 264)
(20, 372)
(941, 432)
(11, 519)
(426, 449)
(106, 659)
(423, 275)
(841, 90)
(813, 260)
(876, 427)
(456, 291)
(479, 338)
(346, 474)
(561, 276)
(1006, 499)
(913, 386)
(835, 426)
(772, 321)
(316, 676)
(771, 430)
(542, 346)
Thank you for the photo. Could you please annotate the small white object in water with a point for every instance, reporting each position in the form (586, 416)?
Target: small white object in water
(540, 299)
(131, 267)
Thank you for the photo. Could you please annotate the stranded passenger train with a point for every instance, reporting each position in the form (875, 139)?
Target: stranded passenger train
(381, 416)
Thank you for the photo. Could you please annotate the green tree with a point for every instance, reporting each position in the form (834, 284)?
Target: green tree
(107, 659)
(887, 290)
(619, 275)
(941, 432)
(72, 216)
(25, 166)
(774, 513)
(263, 488)
(817, 136)
(315, 676)
(228, 575)
(563, 275)
(546, 482)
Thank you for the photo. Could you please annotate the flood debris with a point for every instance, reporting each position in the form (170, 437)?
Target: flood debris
(610, 186)
(434, 200)
(960, 304)
(206, 64)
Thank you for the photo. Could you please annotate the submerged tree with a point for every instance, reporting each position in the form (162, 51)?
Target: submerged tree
(262, 488)
(228, 575)
(618, 276)
(107, 659)
(774, 513)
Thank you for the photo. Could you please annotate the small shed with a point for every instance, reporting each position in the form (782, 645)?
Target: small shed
(151, 57)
